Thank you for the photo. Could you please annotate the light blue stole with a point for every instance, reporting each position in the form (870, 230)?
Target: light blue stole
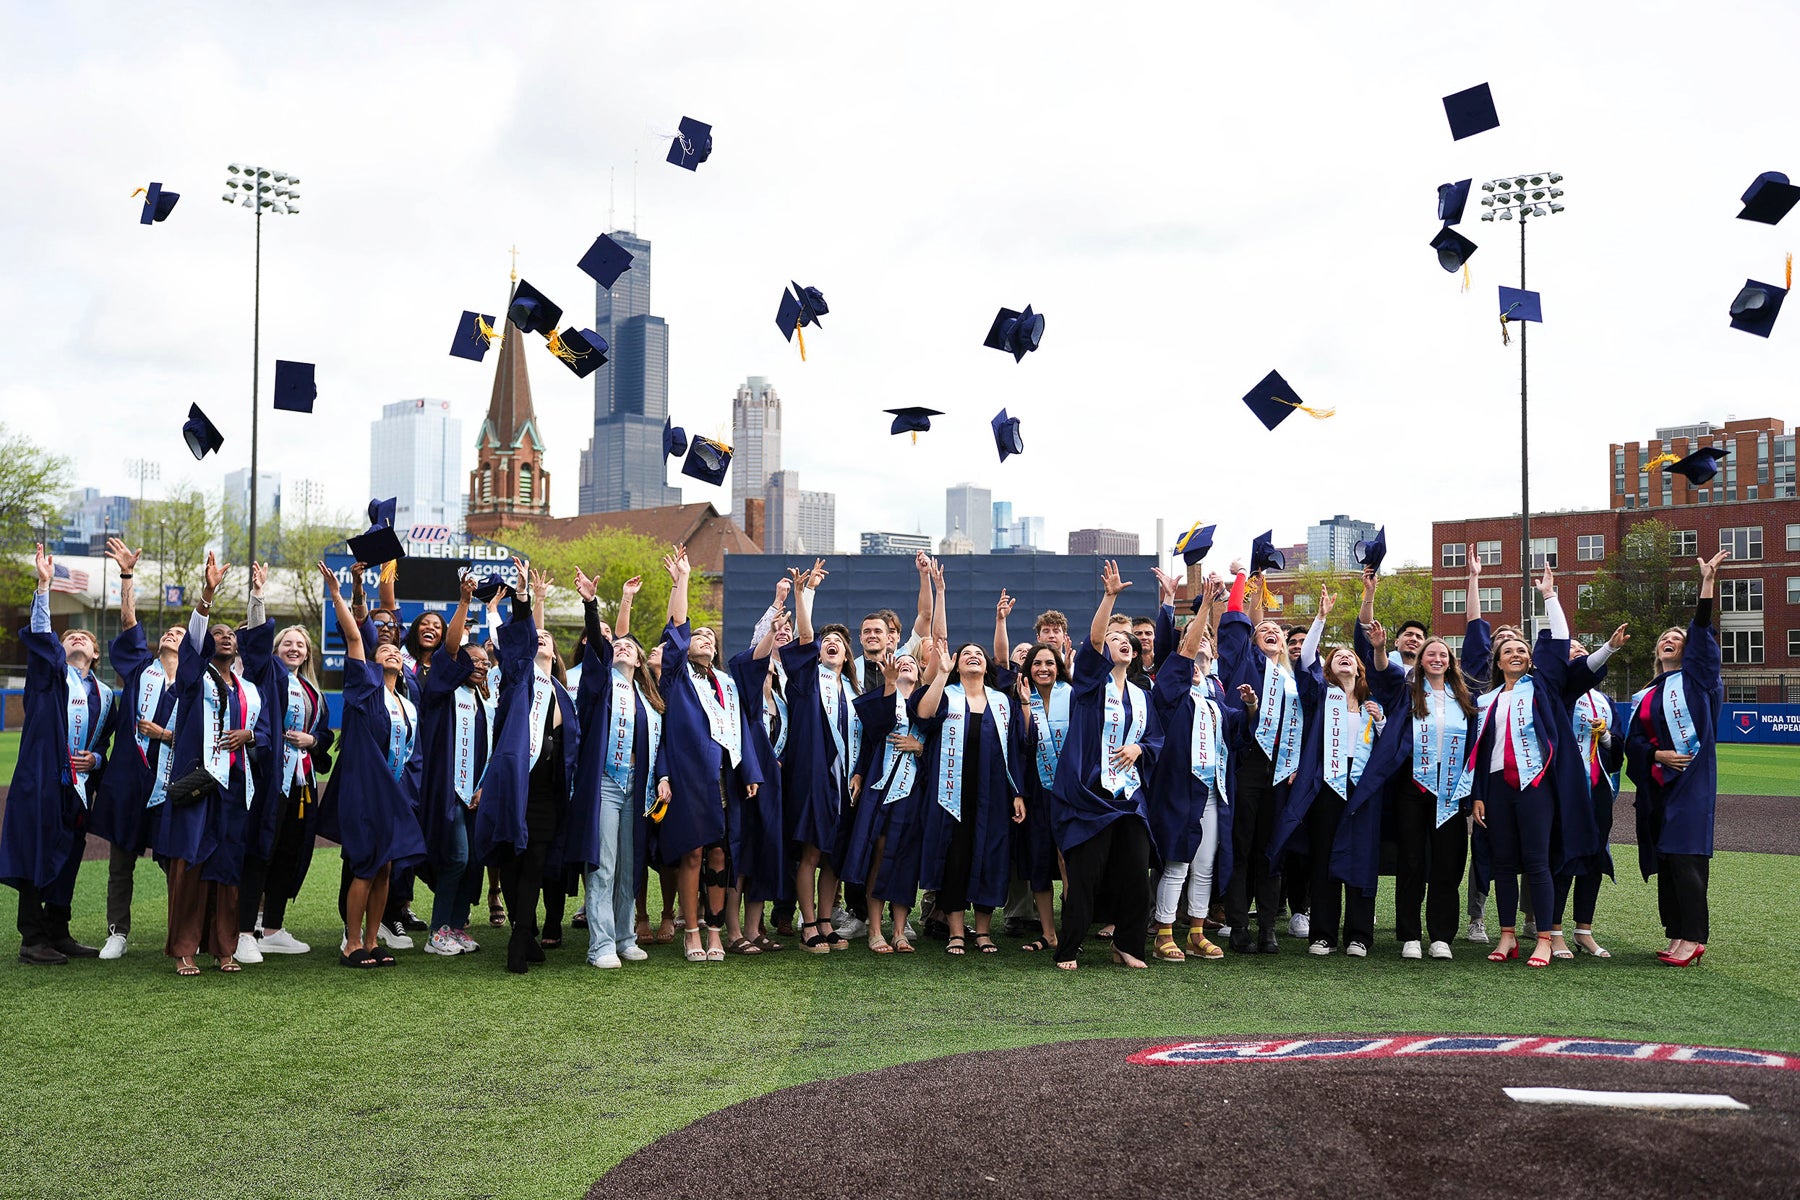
(953, 734)
(1440, 753)
(1280, 705)
(1052, 728)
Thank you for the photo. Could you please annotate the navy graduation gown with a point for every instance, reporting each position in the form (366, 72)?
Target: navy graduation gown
(1581, 679)
(760, 855)
(1082, 808)
(1386, 776)
(1177, 798)
(118, 813)
(1477, 657)
(1356, 847)
(871, 816)
(439, 805)
(368, 812)
(1675, 815)
(594, 704)
(271, 678)
(990, 864)
(211, 833)
(696, 816)
(1387, 679)
(810, 751)
(506, 787)
(1034, 842)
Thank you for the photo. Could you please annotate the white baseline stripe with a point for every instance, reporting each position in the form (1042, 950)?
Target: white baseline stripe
(1663, 1100)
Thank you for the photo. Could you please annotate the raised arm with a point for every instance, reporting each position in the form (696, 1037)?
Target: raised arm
(387, 586)
(1474, 586)
(934, 694)
(459, 620)
(359, 608)
(676, 564)
(806, 584)
(1709, 573)
(540, 595)
(1309, 650)
(922, 622)
(256, 614)
(1559, 621)
(622, 618)
(940, 612)
(214, 575)
(353, 645)
(1002, 644)
(127, 560)
(1109, 579)
(1365, 616)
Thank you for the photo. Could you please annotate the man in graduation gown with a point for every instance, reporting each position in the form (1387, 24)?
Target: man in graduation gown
(68, 715)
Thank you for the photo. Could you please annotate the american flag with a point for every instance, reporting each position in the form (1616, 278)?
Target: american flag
(62, 579)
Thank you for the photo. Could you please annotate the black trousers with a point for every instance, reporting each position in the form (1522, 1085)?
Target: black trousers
(1681, 881)
(1330, 904)
(1296, 882)
(1252, 825)
(1587, 896)
(44, 914)
(1118, 860)
(1519, 824)
(522, 872)
(1430, 868)
(287, 863)
(400, 894)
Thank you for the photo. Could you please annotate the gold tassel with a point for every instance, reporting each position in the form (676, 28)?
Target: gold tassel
(1465, 286)
(915, 434)
(486, 332)
(1659, 460)
(1790, 271)
(1316, 413)
(146, 192)
(554, 341)
(800, 332)
(1505, 337)
(1271, 602)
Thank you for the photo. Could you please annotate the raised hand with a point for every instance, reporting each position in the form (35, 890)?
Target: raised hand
(1710, 566)
(331, 582)
(1165, 585)
(783, 588)
(540, 582)
(215, 572)
(1377, 636)
(818, 574)
(1237, 566)
(800, 577)
(922, 562)
(1327, 602)
(46, 566)
(465, 586)
(126, 558)
(890, 667)
(1474, 565)
(632, 586)
(1004, 606)
(259, 575)
(1109, 578)
(946, 662)
(1546, 583)
(937, 574)
(1619, 638)
(1368, 582)
(584, 587)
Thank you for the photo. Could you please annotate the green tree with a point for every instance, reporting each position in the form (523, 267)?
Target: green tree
(32, 486)
(174, 532)
(1400, 596)
(611, 556)
(297, 541)
(1642, 585)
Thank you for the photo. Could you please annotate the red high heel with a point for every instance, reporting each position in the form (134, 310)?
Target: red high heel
(1689, 961)
(1504, 955)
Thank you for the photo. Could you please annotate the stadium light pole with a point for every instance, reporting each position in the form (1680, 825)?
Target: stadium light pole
(1521, 197)
(261, 190)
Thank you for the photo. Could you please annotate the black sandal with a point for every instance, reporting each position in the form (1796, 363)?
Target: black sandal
(380, 956)
(357, 958)
(816, 943)
(955, 945)
(1039, 944)
(984, 942)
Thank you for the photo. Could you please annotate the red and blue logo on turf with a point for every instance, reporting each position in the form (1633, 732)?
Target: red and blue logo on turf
(1406, 1045)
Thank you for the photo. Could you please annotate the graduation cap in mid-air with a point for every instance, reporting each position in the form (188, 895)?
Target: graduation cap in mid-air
(605, 261)
(706, 460)
(693, 145)
(1273, 400)
(800, 307)
(380, 544)
(489, 585)
(1699, 467)
(295, 390)
(1264, 556)
(158, 204)
(1007, 438)
(1193, 545)
(1516, 304)
(1471, 111)
(1452, 198)
(1016, 333)
(1453, 249)
(581, 350)
(201, 435)
(1769, 198)
(473, 333)
(1370, 551)
(912, 420)
(675, 439)
(1756, 307)
(533, 311)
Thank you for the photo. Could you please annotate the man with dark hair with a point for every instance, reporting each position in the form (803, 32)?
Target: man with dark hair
(1052, 629)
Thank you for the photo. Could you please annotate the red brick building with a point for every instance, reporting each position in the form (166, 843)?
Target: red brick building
(1750, 506)
(509, 485)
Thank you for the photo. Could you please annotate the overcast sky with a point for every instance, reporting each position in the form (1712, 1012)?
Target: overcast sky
(1193, 195)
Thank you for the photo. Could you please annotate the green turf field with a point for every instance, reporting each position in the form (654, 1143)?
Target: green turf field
(446, 1077)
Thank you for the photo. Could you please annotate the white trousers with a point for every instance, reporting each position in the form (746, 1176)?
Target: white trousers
(1197, 875)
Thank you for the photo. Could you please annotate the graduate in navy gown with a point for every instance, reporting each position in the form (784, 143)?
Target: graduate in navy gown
(1045, 693)
(762, 870)
(1190, 789)
(1530, 790)
(138, 771)
(885, 780)
(1671, 754)
(67, 716)
(371, 808)
(202, 842)
(456, 739)
(969, 793)
(712, 776)
(526, 794)
(1342, 820)
(1100, 814)
(297, 726)
(1600, 738)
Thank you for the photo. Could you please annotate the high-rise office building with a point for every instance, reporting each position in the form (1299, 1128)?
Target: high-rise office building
(1027, 533)
(1109, 542)
(818, 522)
(969, 513)
(89, 518)
(1003, 520)
(799, 522)
(895, 543)
(1332, 543)
(415, 455)
(623, 466)
(755, 441)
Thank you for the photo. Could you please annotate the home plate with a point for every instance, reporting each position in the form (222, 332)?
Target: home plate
(1592, 1099)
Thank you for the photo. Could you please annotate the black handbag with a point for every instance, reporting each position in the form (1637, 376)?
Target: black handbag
(199, 784)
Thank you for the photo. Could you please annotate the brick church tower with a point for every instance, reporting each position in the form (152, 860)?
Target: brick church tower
(509, 485)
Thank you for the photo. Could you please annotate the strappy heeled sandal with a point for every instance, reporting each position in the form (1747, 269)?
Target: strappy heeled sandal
(954, 945)
(1199, 946)
(1165, 949)
(984, 942)
(186, 967)
(1598, 951)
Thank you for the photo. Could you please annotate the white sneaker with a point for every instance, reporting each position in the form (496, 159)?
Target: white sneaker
(1358, 950)
(280, 941)
(344, 943)
(443, 942)
(912, 931)
(247, 952)
(607, 962)
(469, 945)
(1477, 931)
(1440, 950)
(1300, 925)
(1319, 947)
(1411, 949)
(839, 915)
(1529, 933)
(394, 934)
(115, 946)
(852, 927)
(634, 954)
(1224, 931)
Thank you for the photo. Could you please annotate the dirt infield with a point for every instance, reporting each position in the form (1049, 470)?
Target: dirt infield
(1110, 1128)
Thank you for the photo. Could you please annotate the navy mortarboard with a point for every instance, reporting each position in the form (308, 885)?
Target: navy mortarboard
(473, 333)
(693, 145)
(295, 390)
(1007, 438)
(1453, 249)
(489, 585)
(1193, 545)
(1264, 556)
(1756, 307)
(912, 420)
(1516, 304)
(675, 439)
(158, 204)
(1766, 201)
(800, 307)
(1699, 467)
(605, 260)
(380, 544)
(1452, 198)
(581, 350)
(533, 311)
(200, 434)
(1471, 112)
(1273, 401)
(1371, 551)
(1017, 333)
(706, 460)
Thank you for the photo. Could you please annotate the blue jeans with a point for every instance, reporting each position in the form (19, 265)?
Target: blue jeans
(609, 897)
(458, 887)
